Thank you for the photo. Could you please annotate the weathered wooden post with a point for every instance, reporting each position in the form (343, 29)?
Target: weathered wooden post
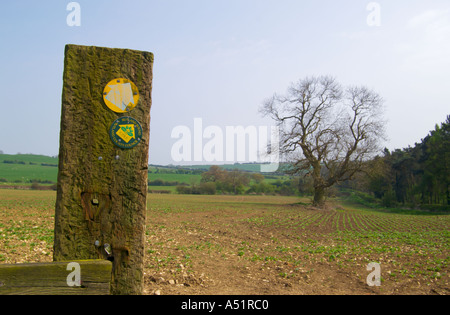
(103, 161)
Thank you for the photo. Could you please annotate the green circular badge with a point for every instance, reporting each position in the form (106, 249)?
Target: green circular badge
(126, 132)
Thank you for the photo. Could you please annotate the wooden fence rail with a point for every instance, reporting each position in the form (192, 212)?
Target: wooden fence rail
(86, 277)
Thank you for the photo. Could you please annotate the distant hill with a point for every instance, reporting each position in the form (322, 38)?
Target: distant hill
(29, 158)
(248, 167)
(25, 168)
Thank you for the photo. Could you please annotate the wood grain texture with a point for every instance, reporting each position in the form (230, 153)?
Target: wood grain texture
(51, 278)
(89, 169)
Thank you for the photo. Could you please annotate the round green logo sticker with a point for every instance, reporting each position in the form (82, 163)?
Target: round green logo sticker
(126, 132)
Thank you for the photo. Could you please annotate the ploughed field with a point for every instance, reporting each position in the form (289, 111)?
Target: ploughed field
(245, 245)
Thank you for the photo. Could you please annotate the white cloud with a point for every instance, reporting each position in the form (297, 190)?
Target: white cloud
(233, 49)
(430, 19)
(428, 47)
(357, 35)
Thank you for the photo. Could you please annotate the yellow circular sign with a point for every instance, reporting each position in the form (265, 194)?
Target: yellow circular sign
(121, 95)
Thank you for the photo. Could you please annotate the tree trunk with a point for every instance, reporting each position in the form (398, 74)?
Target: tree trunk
(448, 194)
(102, 189)
(319, 185)
(319, 196)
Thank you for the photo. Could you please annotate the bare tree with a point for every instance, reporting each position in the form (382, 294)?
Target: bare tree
(327, 131)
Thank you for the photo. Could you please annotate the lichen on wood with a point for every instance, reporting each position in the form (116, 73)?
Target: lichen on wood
(51, 278)
(88, 168)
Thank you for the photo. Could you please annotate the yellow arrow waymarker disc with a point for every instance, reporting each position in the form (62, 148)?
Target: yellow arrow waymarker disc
(121, 95)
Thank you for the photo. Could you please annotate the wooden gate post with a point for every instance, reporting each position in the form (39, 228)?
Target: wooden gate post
(103, 161)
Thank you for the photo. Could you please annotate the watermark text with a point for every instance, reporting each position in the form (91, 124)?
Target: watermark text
(374, 278)
(249, 144)
(74, 17)
(74, 278)
(374, 17)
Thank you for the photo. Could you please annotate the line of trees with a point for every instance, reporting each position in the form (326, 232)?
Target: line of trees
(220, 181)
(30, 163)
(160, 182)
(416, 176)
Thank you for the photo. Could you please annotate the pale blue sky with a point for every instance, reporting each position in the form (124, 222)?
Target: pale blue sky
(218, 60)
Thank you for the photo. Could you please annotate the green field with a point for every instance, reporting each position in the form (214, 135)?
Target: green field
(181, 178)
(248, 167)
(257, 245)
(27, 167)
(247, 244)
